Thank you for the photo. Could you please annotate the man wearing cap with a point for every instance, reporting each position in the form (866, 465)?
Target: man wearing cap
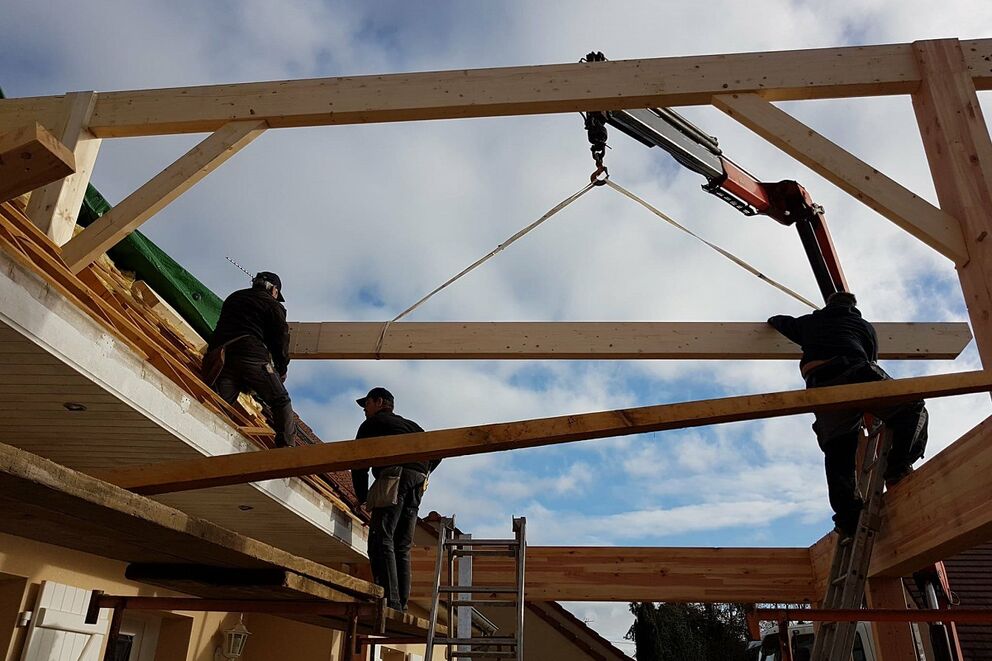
(392, 527)
(250, 349)
(840, 347)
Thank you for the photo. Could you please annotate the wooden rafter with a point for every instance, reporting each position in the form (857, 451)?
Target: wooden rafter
(158, 192)
(671, 81)
(600, 573)
(55, 207)
(595, 340)
(30, 157)
(389, 450)
(912, 213)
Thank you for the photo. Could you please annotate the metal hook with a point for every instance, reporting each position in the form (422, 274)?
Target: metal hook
(600, 175)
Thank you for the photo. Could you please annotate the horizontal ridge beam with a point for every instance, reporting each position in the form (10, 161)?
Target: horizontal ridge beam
(359, 340)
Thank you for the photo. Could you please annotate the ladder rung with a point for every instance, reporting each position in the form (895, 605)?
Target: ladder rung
(481, 542)
(488, 654)
(484, 602)
(483, 552)
(491, 640)
(478, 589)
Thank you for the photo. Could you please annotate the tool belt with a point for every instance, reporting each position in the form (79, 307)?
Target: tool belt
(842, 369)
(213, 361)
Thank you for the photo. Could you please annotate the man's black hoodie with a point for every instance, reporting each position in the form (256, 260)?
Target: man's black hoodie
(836, 330)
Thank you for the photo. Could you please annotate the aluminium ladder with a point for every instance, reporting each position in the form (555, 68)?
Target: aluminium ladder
(460, 596)
(849, 570)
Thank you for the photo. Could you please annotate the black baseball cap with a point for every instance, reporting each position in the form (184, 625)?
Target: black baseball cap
(376, 393)
(272, 278)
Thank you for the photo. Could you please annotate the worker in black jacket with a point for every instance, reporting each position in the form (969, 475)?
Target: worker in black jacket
(839, 347)
(251, 343)
(392, 527)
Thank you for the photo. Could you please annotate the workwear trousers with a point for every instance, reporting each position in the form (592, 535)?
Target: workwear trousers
(838, 434)
(246, 372)
(391, 536)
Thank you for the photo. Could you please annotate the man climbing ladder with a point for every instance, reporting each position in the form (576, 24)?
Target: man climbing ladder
(839, 347)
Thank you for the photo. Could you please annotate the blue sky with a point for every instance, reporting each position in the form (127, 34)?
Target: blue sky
(361, 221)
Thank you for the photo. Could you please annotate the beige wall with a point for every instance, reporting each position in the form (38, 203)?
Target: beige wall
(24, 564)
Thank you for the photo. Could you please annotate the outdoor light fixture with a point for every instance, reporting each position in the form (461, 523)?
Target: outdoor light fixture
(75, 407)
(235, 639)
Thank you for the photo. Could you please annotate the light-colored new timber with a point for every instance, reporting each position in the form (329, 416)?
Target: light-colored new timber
(849, 173)
(941, 509)
(893, 640)
(959, 150)
(55, 207)
(30, 157)
(158, 192)
(672, 81)
(595, 340)
(591, 573)
(390, 450)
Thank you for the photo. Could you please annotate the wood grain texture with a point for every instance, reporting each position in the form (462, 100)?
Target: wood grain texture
(30, 157)
(672, 81)
(350, 340)
(389, 450)
(715, 575)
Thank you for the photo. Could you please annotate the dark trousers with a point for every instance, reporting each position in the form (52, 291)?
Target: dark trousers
(391, 536)
(838, 434)
(249, 371)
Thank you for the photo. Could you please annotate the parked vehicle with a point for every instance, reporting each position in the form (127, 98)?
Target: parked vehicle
(801, 642)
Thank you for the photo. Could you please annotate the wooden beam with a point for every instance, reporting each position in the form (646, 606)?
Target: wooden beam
(959, 150)
(162, 189)
(893, 640)
(579, 573)
(30, 157)
(595, 340)
(55, 207)
(672, 81)
(849, 173)
(47, 502)
(389, 450)
(943, 508)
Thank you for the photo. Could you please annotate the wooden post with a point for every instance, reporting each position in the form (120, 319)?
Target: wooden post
(55, 207)
(959, 150)
(893, 641)
(112, 633)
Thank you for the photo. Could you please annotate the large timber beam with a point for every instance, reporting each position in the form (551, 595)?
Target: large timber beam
(55, 207)
(389, 450)
(595, 340)
(959, 151)
(158, 192)
(941, 509)
(672, 81)
(577, 573)
(912, 213)
(30, 157)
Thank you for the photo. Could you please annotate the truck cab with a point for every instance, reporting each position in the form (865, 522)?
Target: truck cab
(801, 642)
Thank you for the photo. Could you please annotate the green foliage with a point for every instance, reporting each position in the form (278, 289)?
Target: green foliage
(689, 632)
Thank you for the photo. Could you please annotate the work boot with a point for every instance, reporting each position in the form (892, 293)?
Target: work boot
(846, 524)
(894, 477)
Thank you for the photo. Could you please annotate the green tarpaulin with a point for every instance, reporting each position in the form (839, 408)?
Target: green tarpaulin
(199, 306)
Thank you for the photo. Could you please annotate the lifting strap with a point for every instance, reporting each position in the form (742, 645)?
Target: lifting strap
(558, 207)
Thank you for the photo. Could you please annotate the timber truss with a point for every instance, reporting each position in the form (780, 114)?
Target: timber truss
(941, 509)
